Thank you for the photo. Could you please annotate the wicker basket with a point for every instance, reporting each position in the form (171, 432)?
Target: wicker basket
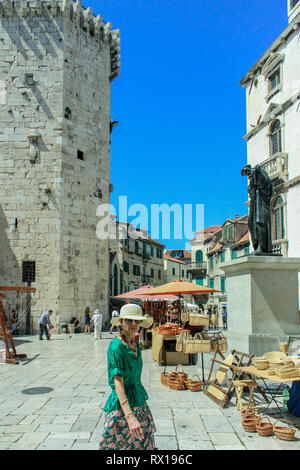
(194, 385)
(264, 429)
(250, 419)
(176, 382)
(164, 378)
(284, 433)
(183, 375)
(247, 412)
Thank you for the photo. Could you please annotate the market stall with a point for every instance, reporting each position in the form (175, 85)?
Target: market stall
(154, 306)
(182, 314)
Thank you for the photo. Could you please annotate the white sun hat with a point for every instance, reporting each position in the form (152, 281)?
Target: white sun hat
(132, 312)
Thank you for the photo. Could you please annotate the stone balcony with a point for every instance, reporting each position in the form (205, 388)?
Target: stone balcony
(276, 166)
(280, 247)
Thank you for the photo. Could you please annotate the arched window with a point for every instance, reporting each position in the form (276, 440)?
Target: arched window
(276, 141)
(278, 219)
(116, 280)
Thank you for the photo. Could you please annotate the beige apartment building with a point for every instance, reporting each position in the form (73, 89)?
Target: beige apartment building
(134, 262)
(214, 246)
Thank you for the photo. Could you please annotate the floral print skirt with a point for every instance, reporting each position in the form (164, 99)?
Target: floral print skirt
(117, 436)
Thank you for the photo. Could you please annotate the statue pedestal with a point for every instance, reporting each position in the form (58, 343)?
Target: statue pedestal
(262, 302)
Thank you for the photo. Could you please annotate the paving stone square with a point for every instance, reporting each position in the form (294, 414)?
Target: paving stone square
(54, 400)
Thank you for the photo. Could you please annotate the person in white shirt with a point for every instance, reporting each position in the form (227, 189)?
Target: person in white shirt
(97, 319)
(114, 314)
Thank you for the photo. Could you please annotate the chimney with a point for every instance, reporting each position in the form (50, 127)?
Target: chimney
(237, 216)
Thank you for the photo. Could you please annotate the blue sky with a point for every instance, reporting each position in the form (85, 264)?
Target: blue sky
(181, 110)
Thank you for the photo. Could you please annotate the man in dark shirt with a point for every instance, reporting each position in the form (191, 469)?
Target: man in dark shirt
(44, 321)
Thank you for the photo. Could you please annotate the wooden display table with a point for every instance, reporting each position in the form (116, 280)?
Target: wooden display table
(265, 377)
(162, 355)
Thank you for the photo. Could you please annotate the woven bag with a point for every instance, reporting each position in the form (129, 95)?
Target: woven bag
(284, 433)
(164, 378)
(222, 343)
(198, 320)
(180, 341)
(205, 343)
(189, 345)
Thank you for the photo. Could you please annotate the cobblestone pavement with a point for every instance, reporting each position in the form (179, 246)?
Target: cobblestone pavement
(54, 399)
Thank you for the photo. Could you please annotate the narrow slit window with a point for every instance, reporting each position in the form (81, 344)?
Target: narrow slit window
(80, 155)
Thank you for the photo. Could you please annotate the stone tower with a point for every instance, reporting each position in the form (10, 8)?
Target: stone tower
(57, 61)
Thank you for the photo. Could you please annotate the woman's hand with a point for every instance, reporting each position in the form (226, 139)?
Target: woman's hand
(135, 428)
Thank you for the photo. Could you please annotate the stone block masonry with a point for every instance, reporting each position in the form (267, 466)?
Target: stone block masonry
(57, 62)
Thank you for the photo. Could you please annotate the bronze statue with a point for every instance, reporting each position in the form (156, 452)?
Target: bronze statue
(260, 191)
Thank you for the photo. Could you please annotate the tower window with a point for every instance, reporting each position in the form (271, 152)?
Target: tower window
(28, 271)
(80, 155)
(274, 80)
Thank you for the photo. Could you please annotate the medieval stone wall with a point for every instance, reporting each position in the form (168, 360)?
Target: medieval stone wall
(57, 61)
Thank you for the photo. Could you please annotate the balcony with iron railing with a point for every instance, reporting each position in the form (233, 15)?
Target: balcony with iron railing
(198, 267)
(276, 166)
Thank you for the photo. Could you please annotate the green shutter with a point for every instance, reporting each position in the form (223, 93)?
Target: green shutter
(212, 283)
(199, 281)
(222, 256)
(211, 262)
(223, 284)
(199, 256)
(234, 254)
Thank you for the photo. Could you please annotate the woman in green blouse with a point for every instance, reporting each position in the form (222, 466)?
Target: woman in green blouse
(128, 422)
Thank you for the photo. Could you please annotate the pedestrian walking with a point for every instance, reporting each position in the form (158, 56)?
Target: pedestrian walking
(128, 424)
(114, 314)
(209, 312)
(215, 318)
(97, 319)
(44, 323)
(87, 321)
(224, 317)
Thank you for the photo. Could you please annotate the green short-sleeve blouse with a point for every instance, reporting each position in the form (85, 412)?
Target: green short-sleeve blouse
(122, 361)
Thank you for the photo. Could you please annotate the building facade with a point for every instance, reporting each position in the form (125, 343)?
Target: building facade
(272, 88)
(214, 246)
(134, 261)
(57, 62)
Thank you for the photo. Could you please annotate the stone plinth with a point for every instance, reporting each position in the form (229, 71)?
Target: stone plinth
(263, 301)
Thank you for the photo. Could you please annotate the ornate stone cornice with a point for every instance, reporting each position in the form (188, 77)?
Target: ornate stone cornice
(76, 13)
(280, 42)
